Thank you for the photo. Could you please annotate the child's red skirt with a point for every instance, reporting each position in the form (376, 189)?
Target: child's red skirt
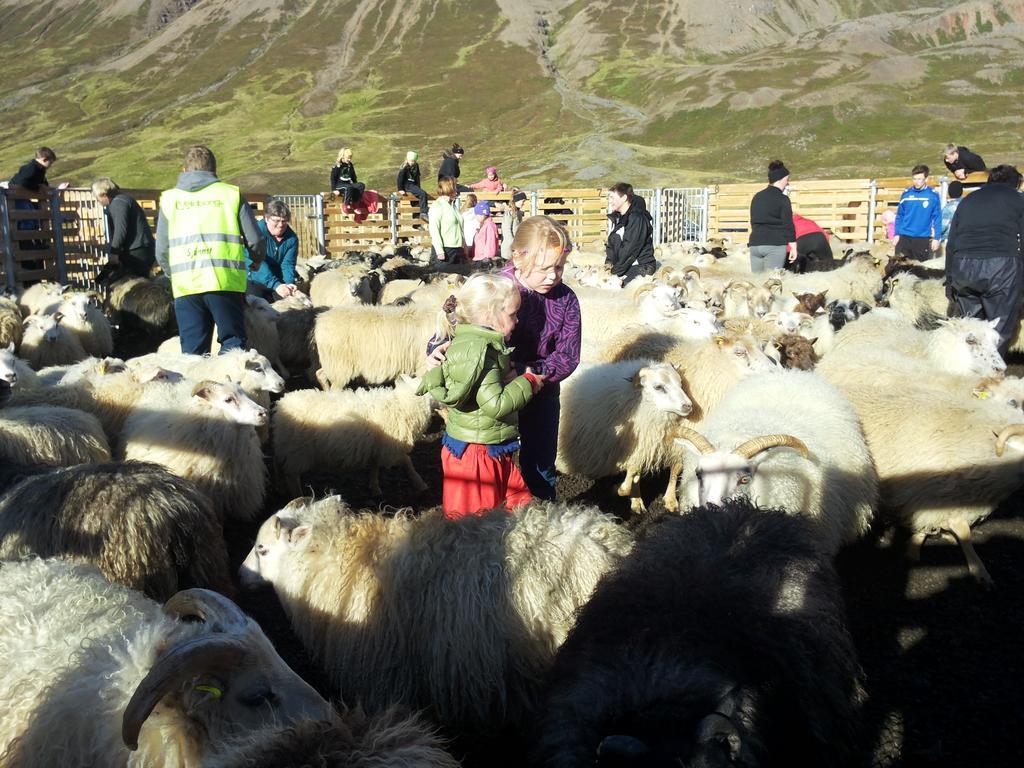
(478, 481)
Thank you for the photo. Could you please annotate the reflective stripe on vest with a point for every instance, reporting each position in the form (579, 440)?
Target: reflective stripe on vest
(205, 247)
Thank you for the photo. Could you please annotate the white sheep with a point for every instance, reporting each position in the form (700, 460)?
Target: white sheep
(16, 371)
(43, 298)
(84, 318)
(98, 674)
(960, 345)
(460, 617)
(205, 434)
(858, 279)
(46, 341)
(918, 301)
(615, 417)
(10, 323)
(56, 375)
(296, 317)
(60, 437)
(344, 286)
(345, 430)
(828, 475)
(374, 343)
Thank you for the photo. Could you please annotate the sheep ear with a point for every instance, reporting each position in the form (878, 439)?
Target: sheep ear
(719, 340)
(204, 389)
(813, 341)
(10, 347)
(822, 294)
(638, 378)
(58, 316)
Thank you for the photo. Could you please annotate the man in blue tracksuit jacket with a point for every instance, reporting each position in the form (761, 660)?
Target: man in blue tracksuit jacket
(918, 218)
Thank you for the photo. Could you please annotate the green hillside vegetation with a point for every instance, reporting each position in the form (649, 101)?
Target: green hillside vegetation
(583, 95)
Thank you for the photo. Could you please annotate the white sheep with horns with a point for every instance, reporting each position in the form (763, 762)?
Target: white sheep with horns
(84, 318)
(460, 617)
(787, 440)
(97, 674)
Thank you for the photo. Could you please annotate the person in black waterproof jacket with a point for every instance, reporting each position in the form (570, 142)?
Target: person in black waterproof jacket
(450, 159)
(984, 268)
(132, 248)
(344, 182)
(408, 182)
(631, 237)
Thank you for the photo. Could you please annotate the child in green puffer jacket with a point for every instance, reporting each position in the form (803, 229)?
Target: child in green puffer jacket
(477, 384)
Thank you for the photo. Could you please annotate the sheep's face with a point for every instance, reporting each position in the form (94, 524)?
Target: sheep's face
(1008, 391)
(280, 534)
(8, 365)
(259, 374)
(79, 306)
(841, 312)
(968, 346)
(42, 328)
(720, 476)
(696, 324)
(662, 300)
(662, 387)
(789, 322)
(232, 402)
(744, 353)
(797, 352)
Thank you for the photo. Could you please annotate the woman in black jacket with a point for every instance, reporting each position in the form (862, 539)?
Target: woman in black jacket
(409, 181)
(771, 222)
(343, 179)
(450, 166)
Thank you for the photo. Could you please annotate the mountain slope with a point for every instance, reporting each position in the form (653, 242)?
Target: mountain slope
(552, 91)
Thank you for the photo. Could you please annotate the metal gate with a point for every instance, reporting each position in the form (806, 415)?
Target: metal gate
(683, 214)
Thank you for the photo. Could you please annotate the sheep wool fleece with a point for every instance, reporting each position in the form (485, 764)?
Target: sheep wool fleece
(481, 408)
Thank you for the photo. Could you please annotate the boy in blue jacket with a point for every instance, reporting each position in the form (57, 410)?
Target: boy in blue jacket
(918, 218)
(276, 275)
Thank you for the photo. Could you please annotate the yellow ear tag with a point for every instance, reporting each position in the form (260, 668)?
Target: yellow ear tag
(211, 689)
(982, 394)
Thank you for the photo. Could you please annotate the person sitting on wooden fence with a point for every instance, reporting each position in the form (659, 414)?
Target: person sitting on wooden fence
(450, 159)
(31, 177)
(446, 235)
(344, 181)
(485, 241)
(491, 182)
(409, 182)
(275, 277)
(130, 245)
(631, 235)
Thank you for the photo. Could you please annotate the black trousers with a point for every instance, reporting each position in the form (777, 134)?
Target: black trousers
(417, 192)
(988, 287)
(917, 248)
(813, 254)
(351, 192)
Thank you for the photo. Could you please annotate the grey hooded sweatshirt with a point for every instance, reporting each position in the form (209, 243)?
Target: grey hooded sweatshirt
(190, 181)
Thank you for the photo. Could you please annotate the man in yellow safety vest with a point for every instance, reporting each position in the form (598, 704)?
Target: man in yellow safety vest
(202, 234)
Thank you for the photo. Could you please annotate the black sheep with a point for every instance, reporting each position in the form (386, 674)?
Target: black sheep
(719, 642)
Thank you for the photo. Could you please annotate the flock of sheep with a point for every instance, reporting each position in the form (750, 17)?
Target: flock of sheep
(790, 414)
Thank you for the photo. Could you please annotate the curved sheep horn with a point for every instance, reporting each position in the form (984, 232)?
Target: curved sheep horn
(193, 657)
(1007, 432)
(691, 270)
(756, 445)
(774, 285)
(205, 605)
(700, 442)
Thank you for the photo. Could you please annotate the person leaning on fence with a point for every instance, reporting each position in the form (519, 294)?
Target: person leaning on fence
(202, 234)
(130, 243)
(631, 234)
(771, 222)
(409, 181)
(510, 221)
(984, 268)
(31, 177)
(344, 182)
(275, 277)
(918, 218)
(446, 234)
(961, 161)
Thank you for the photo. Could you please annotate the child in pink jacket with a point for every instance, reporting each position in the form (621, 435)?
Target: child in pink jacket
(485, 241)
(490, 184)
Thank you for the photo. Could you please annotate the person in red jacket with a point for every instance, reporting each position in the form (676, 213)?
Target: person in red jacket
(813, 253)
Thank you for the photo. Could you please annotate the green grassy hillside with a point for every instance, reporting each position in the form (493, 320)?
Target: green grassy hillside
(551, 91)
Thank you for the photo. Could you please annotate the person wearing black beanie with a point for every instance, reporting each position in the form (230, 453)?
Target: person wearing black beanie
(771, 222)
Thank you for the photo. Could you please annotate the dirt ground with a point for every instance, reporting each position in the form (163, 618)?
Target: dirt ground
(943, 667)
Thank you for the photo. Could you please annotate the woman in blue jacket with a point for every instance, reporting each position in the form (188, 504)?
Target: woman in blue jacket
(275, 277)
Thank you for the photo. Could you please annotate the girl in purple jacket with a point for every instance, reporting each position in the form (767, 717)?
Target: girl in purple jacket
(546, 341)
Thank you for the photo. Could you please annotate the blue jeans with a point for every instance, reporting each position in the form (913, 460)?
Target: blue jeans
(538, 435)
(197, 314)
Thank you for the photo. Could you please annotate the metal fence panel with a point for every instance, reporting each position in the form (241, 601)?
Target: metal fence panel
(308, 222)
(683, 215)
